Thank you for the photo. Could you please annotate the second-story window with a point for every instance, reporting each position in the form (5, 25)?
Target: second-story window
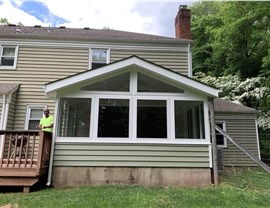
(8, 57)
(99, 58)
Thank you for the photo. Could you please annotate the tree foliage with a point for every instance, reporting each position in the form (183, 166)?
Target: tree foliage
(251, 92)
(231, 38)
(4, 21)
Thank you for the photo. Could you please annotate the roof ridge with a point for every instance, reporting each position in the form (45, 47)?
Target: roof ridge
(78, 33)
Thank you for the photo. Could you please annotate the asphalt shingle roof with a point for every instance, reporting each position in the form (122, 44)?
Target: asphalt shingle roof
(6, 88)
(221, 105)
(75, 33)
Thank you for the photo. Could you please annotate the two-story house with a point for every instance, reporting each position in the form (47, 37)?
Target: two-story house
(126, 108)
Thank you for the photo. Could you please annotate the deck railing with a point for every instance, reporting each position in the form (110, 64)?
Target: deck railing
(24, 154)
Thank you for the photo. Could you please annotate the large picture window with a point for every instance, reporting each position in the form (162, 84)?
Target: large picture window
(189, 120)
(113, 118)
(151, 119)
(74, 117)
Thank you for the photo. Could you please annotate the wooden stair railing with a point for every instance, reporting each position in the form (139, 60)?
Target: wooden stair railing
(24, 157)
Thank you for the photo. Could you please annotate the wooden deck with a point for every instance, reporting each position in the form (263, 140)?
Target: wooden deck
(24, 157)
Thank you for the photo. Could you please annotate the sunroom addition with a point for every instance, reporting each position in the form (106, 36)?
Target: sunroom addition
(123, 102)
(132, 106)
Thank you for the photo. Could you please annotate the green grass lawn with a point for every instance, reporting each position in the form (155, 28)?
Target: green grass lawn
(249, 188)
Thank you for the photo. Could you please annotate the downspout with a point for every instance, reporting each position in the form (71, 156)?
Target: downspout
(214, 142)
(2, 122)
(3, 112)
(257, 136)
(49, 178)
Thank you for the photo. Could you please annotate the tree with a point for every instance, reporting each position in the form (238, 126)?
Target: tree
(4, 21)
(203, 20)
(235, 37)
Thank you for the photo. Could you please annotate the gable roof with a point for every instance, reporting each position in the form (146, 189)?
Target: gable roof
(221, 105)
(13, 31)
(52, 87)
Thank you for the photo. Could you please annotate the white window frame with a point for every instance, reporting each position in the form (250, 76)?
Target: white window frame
(91, 50)
(133, 96)
(224, 129)
(15, 56)
(28, 113)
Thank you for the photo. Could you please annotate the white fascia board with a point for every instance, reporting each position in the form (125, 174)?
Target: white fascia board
(76, 79)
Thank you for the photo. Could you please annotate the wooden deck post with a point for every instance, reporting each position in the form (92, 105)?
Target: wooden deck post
(214, 141)
(26, 189)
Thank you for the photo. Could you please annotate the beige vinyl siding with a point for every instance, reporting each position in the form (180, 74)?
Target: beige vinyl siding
(1, 105)
(243, 129)
(37, 66)
(174, 60)
(130, 155)
(12, 111)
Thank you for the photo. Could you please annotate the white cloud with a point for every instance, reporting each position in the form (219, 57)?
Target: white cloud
(127, 15)
(14, 15)
(97, 14)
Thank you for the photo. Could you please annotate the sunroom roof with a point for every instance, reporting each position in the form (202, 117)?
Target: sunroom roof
(52, 88)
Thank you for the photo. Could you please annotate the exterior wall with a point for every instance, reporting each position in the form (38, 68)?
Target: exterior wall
(146, 176)
(130, 155)
(1, 105)
(77, 164)
(38, 65)
(241, 127)
(11, 111)
(174, 60)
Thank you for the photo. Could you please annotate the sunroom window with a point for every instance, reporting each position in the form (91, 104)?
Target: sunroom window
(113, 118)
(117, 83)
(151, 119)
(149, 84)
(75, 117)
(189, 119)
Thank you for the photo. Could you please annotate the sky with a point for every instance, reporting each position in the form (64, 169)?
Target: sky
(143, 16)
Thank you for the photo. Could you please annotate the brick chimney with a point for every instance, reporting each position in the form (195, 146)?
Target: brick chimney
(182, 23)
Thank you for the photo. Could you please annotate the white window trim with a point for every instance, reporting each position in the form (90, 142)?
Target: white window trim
(133, 96)
(28, 112)
(15, 57)
(91, 55)
(224, 129)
